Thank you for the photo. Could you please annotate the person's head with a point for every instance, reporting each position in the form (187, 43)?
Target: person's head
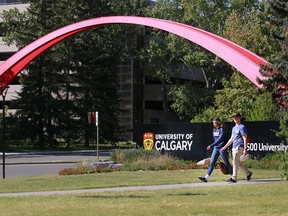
(217, 123)
(237, 118)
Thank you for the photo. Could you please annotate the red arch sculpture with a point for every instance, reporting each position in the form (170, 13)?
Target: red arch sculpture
(242, 59)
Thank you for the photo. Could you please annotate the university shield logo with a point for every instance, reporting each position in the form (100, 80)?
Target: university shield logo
(148, 141)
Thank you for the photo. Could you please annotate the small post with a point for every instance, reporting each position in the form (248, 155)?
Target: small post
(3, 90)
(97, 139)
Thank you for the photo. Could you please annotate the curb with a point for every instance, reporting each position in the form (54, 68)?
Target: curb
(53, 152)
(39, 162)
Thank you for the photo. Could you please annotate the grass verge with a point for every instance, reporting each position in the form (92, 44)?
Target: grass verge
(118, 179)
(257, 199)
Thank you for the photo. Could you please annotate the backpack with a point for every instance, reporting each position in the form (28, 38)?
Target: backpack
(223, 168)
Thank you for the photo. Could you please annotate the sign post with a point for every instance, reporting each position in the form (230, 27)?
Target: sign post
(94, 119)
(97, 139)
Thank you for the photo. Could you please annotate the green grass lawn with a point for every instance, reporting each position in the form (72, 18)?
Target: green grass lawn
(241, 200)
(254, 199)
(117, 179)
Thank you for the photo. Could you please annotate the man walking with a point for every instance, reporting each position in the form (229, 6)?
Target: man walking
(239, 140)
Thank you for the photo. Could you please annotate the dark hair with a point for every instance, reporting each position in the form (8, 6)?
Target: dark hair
(219, 122)
(223, 126)
(217, 119)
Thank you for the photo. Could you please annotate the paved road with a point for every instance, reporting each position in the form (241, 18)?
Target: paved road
(13, 171)
(30, 164)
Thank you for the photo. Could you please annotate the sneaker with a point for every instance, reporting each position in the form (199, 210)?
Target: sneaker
(228, 179)
(231, 180)
(249, 176)
(203, 179)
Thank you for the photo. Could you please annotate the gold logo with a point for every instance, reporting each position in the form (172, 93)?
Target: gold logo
(148, 141)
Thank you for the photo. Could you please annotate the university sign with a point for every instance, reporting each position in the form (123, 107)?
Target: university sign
(267, 147)
(189, 140)
(168, 142)
(148, 141)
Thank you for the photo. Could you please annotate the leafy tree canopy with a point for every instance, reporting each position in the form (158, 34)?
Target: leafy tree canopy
(75, 76)
(276, 73)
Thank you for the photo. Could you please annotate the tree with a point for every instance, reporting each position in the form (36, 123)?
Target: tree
(263, 108)
(239, 94)
(157, 59)
(95, 55)
(37, 106)
(75, 76)
(276, 80)
(181, 56)
(248, 30)
(276, 74)
(189, 95)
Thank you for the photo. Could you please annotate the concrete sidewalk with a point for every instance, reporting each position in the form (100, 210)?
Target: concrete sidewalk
(136, 188)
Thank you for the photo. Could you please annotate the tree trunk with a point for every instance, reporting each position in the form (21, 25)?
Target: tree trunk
(41, 139)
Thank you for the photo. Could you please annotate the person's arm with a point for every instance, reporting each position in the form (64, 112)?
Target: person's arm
(243, 132)
(245, 144)
(227, 144)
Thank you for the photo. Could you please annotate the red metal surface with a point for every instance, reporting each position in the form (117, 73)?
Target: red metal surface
(242, 59)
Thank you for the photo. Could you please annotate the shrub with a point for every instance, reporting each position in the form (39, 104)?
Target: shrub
(66, 171)
(80, 169)
(129, 155)
(260, 164)
(275, 161)
(152, 162)
(141, 159)
(135, 160)
(284, 164)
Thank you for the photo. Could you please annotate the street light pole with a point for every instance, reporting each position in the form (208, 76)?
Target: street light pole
(4, 90)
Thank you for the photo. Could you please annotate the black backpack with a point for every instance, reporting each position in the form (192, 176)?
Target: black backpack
(223, 168)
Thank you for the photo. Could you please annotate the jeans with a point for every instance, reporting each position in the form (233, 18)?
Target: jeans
(215, 154)
(237, 152)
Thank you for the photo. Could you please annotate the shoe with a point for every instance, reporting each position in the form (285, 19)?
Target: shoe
(231, 180)
(249, 176)
(203, 179)
(228, 179)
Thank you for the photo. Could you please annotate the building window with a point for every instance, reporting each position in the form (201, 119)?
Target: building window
(5, 56)
(150, 81)
(6, 2)
(154, 105)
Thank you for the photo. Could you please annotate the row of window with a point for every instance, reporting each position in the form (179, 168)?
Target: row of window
(7, 2)
(152, 105)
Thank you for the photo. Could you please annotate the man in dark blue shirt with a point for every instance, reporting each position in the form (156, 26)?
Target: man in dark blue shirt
(239, 140)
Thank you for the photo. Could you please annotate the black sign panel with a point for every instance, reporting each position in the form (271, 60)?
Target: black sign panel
(188, 141)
